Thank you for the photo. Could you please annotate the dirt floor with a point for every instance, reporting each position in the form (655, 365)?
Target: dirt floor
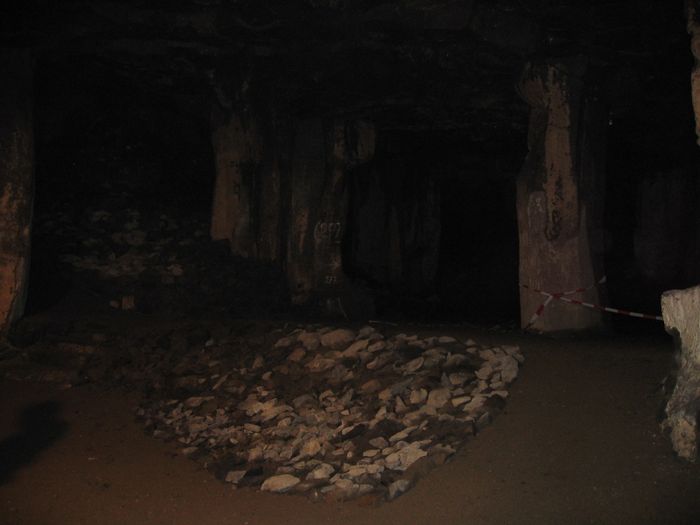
(578, 442)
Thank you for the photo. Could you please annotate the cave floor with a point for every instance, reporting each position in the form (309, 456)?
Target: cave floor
(578, 442)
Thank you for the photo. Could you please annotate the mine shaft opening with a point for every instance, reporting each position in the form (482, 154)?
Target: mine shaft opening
(124, 182)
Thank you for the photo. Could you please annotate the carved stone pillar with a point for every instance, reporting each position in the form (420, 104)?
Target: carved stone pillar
(560, 194)
(16, 181)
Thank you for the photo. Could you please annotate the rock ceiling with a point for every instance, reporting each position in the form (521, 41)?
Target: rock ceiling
(404, 63)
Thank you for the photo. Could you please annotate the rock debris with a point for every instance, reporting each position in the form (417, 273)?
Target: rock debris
(332, 413)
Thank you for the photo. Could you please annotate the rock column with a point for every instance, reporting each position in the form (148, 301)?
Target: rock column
(238, 151)
(281, 194)
(681, 313)
(560, 195)
(16, 181)
(693, 14)
(247, 193)
(323, 152)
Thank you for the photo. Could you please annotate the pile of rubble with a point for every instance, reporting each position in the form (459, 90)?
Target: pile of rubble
(332, 413)
(119, 244)
(153, 261)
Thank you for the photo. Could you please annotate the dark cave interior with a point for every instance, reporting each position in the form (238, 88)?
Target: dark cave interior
(232, 214)
(124, 98)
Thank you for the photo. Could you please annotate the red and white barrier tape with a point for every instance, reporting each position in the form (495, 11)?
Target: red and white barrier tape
(551, 296)
(612, 310)
(562, 296)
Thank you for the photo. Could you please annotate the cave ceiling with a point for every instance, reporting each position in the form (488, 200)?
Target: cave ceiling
(406, 64)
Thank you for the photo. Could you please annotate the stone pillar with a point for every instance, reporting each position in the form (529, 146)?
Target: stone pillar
(323, 152)
(297, 219)
(693, 18)
(559, 195)
(247, 191)
(681, 313)
(238, 150)
(16, 181)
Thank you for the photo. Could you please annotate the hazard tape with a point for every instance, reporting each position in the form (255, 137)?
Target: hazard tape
(551, 296)
(563, 296)
(539, 311)
(612, 310)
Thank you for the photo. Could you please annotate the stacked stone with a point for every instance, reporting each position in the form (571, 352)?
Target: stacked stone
(334, 412)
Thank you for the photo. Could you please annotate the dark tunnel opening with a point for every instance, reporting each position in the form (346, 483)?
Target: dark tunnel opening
(433, 229)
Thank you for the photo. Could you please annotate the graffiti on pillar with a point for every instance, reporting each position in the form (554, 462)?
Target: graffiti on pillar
(328, 231)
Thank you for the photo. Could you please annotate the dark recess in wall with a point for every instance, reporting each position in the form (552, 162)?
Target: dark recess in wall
(453, 199)
(478, 273)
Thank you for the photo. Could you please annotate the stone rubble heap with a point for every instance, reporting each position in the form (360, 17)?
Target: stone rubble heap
(119, 244)
(129, 241)
(333, 413)
(153, 261)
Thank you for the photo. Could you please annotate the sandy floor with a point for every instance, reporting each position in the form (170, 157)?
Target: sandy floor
(577, 443)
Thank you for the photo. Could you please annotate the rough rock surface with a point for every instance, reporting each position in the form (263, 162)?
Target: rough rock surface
(681, 313)
(310, 415)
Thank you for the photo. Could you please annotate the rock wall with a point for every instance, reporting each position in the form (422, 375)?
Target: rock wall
(16, 181)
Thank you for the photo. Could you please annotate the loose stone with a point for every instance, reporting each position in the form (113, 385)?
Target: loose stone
(379, 442)
(438, 397)
(337, 339)
(398, 487)
(280, 483)
(330, 406)
(296, 355)
(323, 471)
(235, 476)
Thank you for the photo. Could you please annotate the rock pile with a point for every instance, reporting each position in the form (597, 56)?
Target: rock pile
(122, 244)
(136, 258)
(333, 413)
